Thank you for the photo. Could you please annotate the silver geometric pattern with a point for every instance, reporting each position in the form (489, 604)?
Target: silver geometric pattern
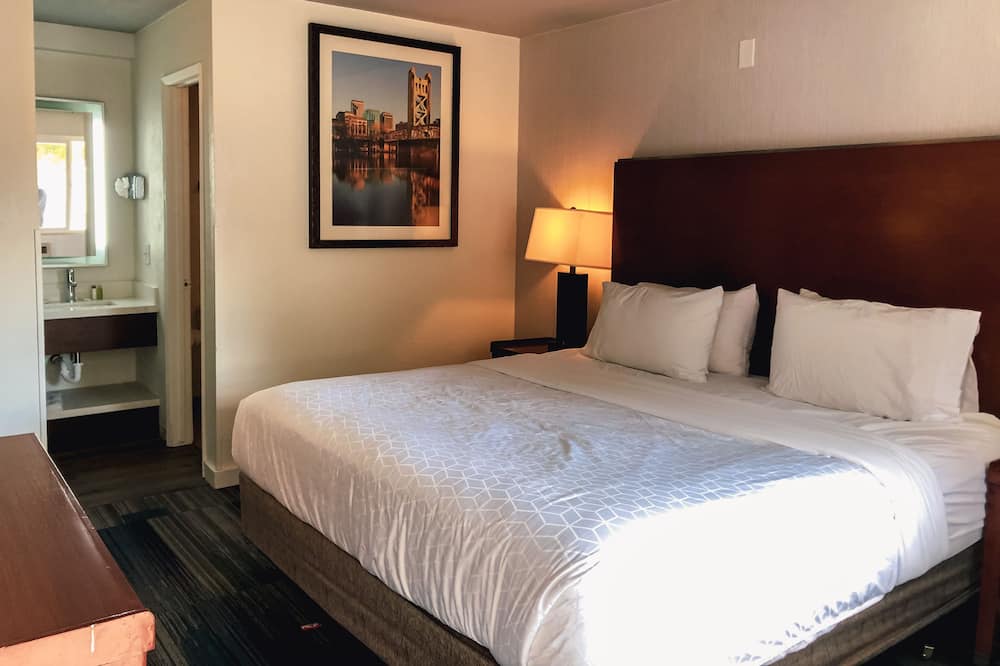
(526, 480)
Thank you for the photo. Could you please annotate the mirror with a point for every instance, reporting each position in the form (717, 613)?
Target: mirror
(70, 157)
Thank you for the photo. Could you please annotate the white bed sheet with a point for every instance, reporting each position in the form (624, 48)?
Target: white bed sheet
(957, 452)
(419, 475)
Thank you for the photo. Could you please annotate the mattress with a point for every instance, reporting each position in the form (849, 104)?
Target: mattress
(546, 508)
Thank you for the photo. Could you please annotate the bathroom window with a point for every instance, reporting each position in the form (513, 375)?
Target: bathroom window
(62, 182)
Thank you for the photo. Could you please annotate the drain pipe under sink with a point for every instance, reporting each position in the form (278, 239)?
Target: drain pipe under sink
(70, 367)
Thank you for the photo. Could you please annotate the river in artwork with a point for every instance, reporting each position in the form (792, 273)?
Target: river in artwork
(382, 190)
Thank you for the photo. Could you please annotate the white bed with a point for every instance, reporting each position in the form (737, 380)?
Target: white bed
(557, 509)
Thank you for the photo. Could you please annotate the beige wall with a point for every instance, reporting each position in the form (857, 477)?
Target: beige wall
(176, 40)
(95, 65)
(665, 81)
(180, 38)
(285, 312)
(20, 401)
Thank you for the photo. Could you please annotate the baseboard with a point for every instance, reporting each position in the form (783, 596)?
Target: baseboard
(220, 478)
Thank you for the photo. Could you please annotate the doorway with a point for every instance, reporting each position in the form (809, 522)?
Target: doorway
(184, 300)
(194, 236)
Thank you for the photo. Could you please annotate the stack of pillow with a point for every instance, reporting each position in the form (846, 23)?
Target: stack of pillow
(679, 332)
(907, 364)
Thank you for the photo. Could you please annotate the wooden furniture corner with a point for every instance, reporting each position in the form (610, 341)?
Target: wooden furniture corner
(499, 348)
(989, 589)
(63, 599)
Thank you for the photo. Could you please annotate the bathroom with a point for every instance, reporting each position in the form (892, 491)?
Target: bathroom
(123, 359)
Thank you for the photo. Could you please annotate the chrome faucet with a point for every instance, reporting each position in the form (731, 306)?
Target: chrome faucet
(71, 285)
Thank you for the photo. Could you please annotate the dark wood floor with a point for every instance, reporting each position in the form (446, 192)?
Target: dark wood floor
(216, 598)
(219, 600)
(102, 475)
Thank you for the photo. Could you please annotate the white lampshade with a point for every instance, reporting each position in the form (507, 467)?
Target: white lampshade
(571, 237)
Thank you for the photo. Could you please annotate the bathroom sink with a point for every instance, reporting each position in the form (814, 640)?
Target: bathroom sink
(80, 304)
(70, 309)
(102, 308)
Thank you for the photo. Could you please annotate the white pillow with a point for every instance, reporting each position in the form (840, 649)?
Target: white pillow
(970, 380)
(900, 363)
(656, 330)
(970, 389)
(734, 335)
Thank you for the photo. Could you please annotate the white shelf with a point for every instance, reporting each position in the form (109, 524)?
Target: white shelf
(99, 400)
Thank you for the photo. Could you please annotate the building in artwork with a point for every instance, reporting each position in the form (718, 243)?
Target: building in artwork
(349, 126)
(373, 118)
(419, 107)
(368, 131)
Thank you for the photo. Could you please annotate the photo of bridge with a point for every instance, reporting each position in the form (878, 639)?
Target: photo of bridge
(386, 142)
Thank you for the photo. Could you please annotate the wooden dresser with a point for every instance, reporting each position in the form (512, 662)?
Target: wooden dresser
(63, 599)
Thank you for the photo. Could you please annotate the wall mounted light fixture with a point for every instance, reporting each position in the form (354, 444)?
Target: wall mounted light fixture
(131, 186)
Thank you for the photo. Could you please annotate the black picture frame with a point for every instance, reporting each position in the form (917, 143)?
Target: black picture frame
(316, 240)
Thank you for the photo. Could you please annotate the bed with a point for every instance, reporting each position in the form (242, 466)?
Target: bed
(557, 509)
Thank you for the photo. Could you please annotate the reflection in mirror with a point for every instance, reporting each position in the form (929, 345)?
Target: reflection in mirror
(69, 149)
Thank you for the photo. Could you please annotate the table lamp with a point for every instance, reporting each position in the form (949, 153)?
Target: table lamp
(575, 238)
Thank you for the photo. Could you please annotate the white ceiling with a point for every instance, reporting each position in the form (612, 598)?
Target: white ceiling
(120, 15)
(511, 17)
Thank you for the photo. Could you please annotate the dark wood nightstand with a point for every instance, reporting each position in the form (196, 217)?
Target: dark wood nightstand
(500, 348)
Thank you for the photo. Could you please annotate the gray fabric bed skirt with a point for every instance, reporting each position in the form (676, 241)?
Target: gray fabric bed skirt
(402, 633)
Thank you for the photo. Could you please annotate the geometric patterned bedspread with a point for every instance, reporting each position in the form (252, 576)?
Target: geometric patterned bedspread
(552, 527)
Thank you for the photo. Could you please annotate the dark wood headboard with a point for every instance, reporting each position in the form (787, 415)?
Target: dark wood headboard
(915, 225)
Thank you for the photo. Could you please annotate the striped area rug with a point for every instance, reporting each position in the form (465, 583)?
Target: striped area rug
(216, 598)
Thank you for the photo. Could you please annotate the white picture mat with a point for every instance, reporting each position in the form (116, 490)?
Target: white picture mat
(327, 45)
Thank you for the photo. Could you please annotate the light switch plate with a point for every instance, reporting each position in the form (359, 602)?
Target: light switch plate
(748, 53)
(137, 186)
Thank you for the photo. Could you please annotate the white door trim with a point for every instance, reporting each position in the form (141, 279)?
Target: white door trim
(177, 258)
(43, 426)
(184, 77)
(220, 478)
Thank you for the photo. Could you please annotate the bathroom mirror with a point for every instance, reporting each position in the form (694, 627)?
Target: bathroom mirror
(70, 146)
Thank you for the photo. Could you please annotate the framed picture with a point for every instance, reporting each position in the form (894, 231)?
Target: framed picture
(383, 140)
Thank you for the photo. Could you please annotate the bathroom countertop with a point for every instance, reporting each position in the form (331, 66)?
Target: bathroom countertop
(106, 308)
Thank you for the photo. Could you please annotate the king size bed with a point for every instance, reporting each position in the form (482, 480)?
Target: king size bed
(563, 509)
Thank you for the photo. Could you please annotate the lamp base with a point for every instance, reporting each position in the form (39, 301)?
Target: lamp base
(571, 309)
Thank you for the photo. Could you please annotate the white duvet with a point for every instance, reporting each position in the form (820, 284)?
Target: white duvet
(562, 510)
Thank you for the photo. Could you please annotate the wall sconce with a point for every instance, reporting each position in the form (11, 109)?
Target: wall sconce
(131, 186)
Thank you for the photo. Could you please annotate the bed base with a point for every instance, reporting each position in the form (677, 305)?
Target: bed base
(393, 628)
(401, 633)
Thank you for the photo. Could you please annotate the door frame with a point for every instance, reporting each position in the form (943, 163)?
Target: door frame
(177, 267)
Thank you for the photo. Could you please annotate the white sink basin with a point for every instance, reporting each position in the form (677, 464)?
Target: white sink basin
(79, 304)
(118, 306)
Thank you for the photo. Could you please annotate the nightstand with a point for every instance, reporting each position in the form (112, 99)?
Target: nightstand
(500, 348)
